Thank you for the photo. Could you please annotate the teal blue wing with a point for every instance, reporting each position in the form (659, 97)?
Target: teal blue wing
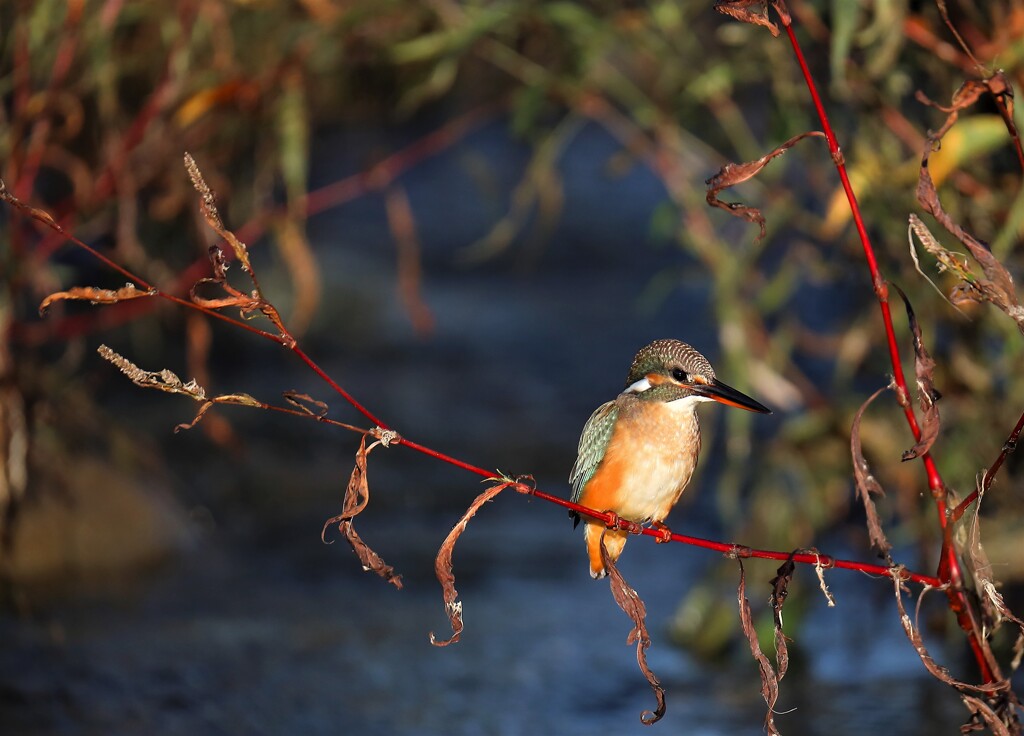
(593, 442)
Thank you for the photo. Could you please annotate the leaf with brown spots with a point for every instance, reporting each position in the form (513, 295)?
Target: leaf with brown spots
(357, 495)
(927, 396)
(633, 606)
(769, 680)
(867, 484)
(443, 564)
(732, 174)
(96, 296)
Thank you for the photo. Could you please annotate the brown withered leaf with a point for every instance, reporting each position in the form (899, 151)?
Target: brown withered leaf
(982, 716)
(357, 495)
(978, 574)
(748, 11)
(164, 380)
(208, 205)
(780, 591)
(168, 381)
(927, 395)
(736, 173)
(867, 484)
(633, 606)
(237, 399)
(769, 680)
(96, 296)
(303, 401)
(936, 670)
(443, 564)
(997, 287)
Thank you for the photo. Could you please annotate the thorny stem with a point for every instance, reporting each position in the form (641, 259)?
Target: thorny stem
(949, 567)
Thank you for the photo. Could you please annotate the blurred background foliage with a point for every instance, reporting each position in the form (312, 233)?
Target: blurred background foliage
(101, 98)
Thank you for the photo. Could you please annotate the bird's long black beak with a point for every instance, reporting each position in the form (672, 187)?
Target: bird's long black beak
(718, 391)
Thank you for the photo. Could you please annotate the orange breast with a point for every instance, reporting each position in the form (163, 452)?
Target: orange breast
(648, 463)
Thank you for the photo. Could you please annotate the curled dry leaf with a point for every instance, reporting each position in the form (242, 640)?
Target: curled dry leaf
(237, 399)
(867, 484)
(246, 303)
(947, 260)
(978, 569)
(736, 173)
(96, 296)
(982, 716)
(927, 396)
(769, 681)
(357, 495)
(443, 565)
(936, 670)
(633, 606)
(303, 402)
(780, 591)
(748, 11)
(997, 286)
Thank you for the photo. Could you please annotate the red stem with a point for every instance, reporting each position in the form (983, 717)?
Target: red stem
(949, 567)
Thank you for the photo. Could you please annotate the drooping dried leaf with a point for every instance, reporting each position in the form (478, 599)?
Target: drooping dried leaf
(357, 495)
(867, 484)
(819, 570)
(633, 606)
(736, 173)
(780, 590)
(769, 681)
(748, 11)
(237, 399)
(302, 402)
(947, 260)
(96, 296)
(936, 670)
(246, 303)
(443, 564)
(982, 716)
(977, 572)
(997, 287)
(927, 395)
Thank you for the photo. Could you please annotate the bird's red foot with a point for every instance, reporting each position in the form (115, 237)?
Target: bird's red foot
(664, 533)
(616, 522)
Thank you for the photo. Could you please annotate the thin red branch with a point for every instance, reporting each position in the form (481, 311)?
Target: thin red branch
(949, 566)
(986, 480)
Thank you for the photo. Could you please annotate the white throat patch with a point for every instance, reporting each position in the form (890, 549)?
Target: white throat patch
(639, 387)
(687, 403)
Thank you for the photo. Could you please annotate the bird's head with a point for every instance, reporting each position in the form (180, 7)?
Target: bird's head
(670, 370)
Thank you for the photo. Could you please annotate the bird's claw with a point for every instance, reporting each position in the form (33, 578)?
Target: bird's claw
(664, 533)
(617, 523)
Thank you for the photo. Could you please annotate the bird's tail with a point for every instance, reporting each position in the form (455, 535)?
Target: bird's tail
(614, 541)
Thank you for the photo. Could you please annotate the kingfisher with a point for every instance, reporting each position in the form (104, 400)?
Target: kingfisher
(637, 453)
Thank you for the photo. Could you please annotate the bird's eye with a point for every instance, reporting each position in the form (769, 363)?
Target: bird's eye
(679, 374)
